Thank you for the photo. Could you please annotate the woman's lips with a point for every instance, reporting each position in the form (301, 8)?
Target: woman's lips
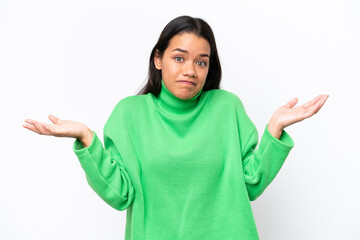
(187, 82)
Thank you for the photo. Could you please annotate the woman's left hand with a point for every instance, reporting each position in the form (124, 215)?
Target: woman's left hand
(287, 114)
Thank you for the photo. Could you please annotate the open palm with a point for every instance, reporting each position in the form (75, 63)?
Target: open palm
(60, 128)
(287, 114)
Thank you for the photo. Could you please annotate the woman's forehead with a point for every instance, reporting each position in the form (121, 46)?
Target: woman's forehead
(189, 43)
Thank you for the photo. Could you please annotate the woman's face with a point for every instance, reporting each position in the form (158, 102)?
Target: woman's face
(184, 65)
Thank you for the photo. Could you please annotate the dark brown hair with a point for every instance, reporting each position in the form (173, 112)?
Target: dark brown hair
(180, 25)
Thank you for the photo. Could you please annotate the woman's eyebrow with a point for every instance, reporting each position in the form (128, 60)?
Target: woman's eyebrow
(184, 51)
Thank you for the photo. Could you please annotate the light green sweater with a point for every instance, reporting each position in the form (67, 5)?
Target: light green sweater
(183, 169)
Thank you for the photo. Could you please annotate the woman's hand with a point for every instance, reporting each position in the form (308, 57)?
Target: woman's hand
(286, 115)
(61, 128)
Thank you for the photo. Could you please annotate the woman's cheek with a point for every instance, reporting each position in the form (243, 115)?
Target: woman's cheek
(174, 70)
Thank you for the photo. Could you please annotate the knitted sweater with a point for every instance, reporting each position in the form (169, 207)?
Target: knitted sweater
(183, 169)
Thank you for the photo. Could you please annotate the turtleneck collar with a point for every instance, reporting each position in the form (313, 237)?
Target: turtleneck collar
(170, 103)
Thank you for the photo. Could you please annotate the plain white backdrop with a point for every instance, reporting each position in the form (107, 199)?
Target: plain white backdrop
(77, 59)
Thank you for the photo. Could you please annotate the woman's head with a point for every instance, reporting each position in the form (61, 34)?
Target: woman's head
(194, 36)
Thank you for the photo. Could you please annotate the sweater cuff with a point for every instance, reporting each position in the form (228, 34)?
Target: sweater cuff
(80, 150)
(285, 140)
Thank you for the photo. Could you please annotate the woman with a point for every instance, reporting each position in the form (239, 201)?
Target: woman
(180, 156)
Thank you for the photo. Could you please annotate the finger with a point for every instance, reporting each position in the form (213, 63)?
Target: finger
(291, 103)
(39, 127)
(316, 107)
(321, 102)
(312, 109)
(325, 98)
(47, 128)
(36, 126)
(311, 102)
(54, 119)
(31, 127)
(29, 121)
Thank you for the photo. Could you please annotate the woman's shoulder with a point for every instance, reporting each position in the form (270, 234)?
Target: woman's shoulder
(132, 101)
(223, 96)
(129, 104)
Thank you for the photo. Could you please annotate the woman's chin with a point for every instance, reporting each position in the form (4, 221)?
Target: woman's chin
(185, 96)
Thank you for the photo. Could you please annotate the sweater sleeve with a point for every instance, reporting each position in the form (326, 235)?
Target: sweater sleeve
(105, 171)
(261, 165)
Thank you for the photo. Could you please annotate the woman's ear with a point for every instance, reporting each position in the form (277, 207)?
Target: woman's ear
(157, 60)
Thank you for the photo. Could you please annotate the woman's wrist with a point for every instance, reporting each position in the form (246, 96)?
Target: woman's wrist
(86, 137)
(275, 129)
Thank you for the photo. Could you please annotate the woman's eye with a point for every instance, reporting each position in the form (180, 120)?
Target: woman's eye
(201, 63)
(178, 59)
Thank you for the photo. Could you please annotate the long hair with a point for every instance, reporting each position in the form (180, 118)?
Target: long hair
(176, 26)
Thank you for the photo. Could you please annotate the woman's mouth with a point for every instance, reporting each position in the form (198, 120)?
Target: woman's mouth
(187, 83)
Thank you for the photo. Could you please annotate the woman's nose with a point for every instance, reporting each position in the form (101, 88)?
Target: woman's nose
(189, 70)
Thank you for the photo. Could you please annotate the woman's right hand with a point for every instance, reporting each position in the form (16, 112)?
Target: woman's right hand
(61, 128)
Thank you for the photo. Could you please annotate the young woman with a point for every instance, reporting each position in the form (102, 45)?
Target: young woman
(180, 156)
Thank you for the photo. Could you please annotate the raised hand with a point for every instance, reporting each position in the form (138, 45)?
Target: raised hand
(61, 128)
(287, 114)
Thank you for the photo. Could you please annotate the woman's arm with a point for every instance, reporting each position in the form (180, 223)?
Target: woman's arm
(261, 165)
(105, 171)
(104, 168)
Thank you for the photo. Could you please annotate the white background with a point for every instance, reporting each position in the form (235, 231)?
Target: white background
(77, 59)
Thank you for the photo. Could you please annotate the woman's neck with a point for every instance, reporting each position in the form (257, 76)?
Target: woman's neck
(170, 103)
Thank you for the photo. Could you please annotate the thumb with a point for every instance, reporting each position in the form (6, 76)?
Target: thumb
(291, 103)
(54, 119)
